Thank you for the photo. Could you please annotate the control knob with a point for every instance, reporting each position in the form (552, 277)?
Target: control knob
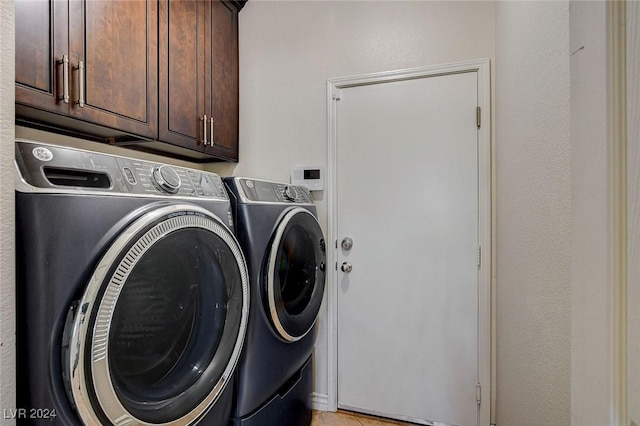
(291, 193)
(167, 179)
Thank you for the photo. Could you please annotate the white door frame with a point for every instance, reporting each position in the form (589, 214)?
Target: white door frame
(484, 215)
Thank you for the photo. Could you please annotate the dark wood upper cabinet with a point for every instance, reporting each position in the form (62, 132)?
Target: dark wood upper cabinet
(113, 46)
(91, 60)
(199, 76)
(182, 79)
(223, 68)
(155, 75)
(41, 42)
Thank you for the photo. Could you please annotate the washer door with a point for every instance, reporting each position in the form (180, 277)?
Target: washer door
(295, 274)
(160, 327)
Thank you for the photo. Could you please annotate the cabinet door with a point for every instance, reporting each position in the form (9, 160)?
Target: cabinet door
(199, 76)
(182, 78)
(41, 41)
(222, 73)
(113, 52)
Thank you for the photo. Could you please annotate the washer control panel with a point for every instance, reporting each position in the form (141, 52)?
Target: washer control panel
(54, 167)
(273, 192)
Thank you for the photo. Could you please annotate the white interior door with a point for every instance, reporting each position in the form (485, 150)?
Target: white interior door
(407, 195)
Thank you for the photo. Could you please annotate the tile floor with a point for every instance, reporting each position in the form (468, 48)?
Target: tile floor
(346, 418)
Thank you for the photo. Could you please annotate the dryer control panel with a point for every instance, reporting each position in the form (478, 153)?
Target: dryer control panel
(255, 190)
(54, 168)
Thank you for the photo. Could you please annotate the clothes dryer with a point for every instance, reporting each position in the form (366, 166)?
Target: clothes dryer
(132, 291)
(279, 233)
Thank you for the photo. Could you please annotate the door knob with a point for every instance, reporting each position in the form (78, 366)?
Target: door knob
(346, 267)
(347, 243)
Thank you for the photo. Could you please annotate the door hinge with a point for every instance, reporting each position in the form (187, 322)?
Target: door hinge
(478, 116)
(479, 256)
(478, 393)
(336, 94)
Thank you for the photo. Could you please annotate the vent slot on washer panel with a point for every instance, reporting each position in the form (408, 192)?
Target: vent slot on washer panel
(77, 178)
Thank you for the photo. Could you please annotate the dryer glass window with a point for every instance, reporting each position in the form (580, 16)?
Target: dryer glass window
(296, 267)
(296, 279)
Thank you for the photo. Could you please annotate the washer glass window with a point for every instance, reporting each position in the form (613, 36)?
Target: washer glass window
(169, 320)
(165, 325)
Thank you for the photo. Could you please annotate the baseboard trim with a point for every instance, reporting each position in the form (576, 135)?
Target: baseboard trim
(320, 401)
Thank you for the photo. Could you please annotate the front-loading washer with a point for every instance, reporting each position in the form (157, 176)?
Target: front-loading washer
(132, 291)
(278, 230)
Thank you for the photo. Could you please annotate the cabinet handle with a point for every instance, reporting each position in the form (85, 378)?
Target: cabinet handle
(204, 129)
(211, 129)
(80, 69)
(65, 78)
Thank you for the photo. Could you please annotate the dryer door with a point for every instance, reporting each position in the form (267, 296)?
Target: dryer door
(295, 274)
(160, 327)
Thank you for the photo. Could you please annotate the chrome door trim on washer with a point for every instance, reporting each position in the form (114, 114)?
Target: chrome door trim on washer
(271, 270)
(176, 217)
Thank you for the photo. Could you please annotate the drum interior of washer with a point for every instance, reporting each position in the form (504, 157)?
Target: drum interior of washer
(155, 325)
(170, 316)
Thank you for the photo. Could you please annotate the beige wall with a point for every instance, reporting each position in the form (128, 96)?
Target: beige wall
(7, 270)
(633, 205)
(533, 213)
(591, 372)
(288, 50)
